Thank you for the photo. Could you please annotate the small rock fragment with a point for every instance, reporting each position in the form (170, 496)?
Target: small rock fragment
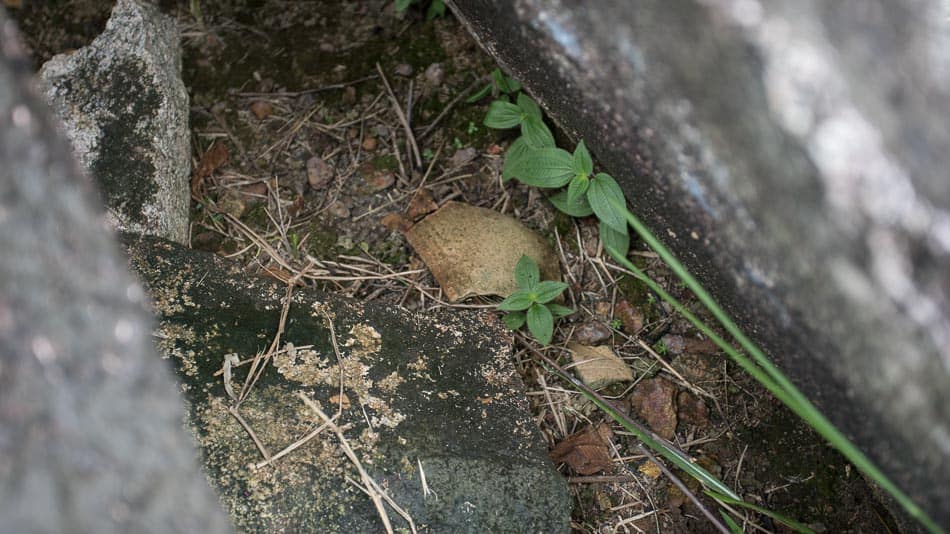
(591, 333)
(369, 144)
(376, 179)
(586, 452)
(692, 409)
(339, 210)
(462, 156)
(254, 193)
(349, 95)
(232, 203)
(653, 401)
(630, 317)
(599, 366)
(319, 172)
(435, 74)
(262, 109)
(650, 470)
(403, 69)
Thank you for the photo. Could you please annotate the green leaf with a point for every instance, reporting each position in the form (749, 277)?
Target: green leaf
(527, 275)
(544, 167)
(499, 80)
(528, 107)
(607, 200)
(536, 133)
(578, 187)
(517, 301)
(583, 164)
(513, 84)
(541, 323)
(579, 208)
(613, 239)
(503, 115)
(402, 5)
(559, 311)
(482, 93)
(733, 527)
(515, 320)
(516, 151)
(548, 290)
(436, 9)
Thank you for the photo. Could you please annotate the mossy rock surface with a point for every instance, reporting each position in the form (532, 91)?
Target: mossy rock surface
(430, 394)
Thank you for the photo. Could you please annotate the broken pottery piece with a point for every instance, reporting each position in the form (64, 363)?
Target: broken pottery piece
(599, 366)
(473, 251)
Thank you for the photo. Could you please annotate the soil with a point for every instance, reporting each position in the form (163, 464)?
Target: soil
(284, 88)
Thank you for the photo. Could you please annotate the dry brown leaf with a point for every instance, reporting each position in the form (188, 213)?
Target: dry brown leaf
(599, 366)
(216, 156)
(421, 204)
(586, 452)
(396, 222)
(473, 251)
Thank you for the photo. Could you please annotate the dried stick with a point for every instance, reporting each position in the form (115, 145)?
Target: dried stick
(410, 138)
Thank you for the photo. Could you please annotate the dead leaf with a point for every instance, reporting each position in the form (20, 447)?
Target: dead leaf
(262, 109)
(369, 144)
(473, 251)
(216, 156)
(396, 222)
(421, 204)
(376, 179)
(599, 366)
(586, 452)
(319, 172)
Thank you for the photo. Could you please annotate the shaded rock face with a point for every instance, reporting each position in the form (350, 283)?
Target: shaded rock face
(431, 405)
(125, 110)
(90, 420)
(793, 154)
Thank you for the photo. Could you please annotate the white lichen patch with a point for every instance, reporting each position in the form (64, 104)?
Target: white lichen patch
(364, 340)
(385, 415)
(168, 336)
(391, 383)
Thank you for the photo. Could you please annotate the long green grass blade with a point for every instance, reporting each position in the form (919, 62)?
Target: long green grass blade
(791, 523)
(762, 369)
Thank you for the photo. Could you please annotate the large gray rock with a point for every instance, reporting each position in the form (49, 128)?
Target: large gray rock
(125, 110)
(434, 407)
(794, 154)
(90, 420)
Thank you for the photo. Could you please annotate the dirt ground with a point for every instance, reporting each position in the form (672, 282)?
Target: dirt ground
(301, 158)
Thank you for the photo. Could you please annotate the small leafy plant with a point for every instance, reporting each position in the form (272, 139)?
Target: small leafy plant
(436, 8)
(500, 86)
(535, 160)
(533, 302)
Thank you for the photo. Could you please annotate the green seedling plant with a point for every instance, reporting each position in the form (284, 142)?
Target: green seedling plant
(499, 86)
(436, 7)
(532, 303)
(534, 159)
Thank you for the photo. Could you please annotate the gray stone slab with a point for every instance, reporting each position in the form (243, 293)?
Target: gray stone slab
(794, 154)
(125, 110)
(90, 420)
(434, 407)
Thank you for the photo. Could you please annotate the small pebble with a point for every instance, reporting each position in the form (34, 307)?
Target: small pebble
(591, 333)
(403, 69)
(369, 144)
(339, 210)
(435, 74)
(262, 109)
